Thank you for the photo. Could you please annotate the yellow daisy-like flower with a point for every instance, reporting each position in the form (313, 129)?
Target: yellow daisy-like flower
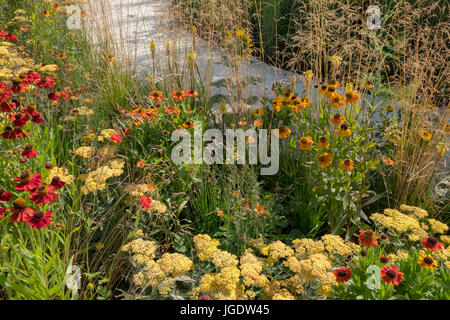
(347, 165)
(351, 97)
(323, 90)
(258, 112)
(334, 84)
(305, 143)
(427, 261)
(425, 135)
(284, 132)
(344, 130)
(325, 160)
(323, 143)
(368, 85)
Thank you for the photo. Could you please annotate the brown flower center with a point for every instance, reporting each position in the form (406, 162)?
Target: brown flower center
(344, 126)
(25, 177)
(42, 190)
(432, 240)
(349, 95)
(342, 273)
(428, 260)
(391, 274)
(38, 215)
(19, 204)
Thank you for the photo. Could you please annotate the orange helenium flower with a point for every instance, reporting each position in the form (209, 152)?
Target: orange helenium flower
(305, 143)
(367, 238)
(337, 119)
(347, 165)
(323, 143)
(325, 160)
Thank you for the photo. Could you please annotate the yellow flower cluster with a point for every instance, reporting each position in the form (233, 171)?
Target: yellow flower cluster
(437, 226)
(85, 152)
(395, 220)
(175, 264)
(224, 285)
(222, 259)
(11, 62)
(277, 250)
(107, 133)
(306, 247)
(205, 246)
(251, 268)
(417, 212)
(336, 245)
(96, 180)
(274, 291)
(314, 268)
(445, 239)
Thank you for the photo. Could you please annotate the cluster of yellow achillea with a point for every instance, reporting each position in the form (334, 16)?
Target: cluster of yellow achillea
(161, 273)
(106, 166)
(413, 221)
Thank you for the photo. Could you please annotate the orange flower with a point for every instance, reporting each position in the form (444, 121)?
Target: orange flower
(337, 119)
(257, 123)
(305, 143)
(220, 213)
(323, 143)
(259, 209)
(432, 243)
(347, 165)
(179, 95)
(367, 238)
(388, 161)
(344, 130)
(140, 164)
(284, 132)
(156, 96)
(337, 101)
(188, 124)
(325, 160)
(191, 93)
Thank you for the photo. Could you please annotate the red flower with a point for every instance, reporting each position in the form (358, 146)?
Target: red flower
(20, 119)
(390, 274)
(146, 201)
(432, 243)
(56, 184)
(116, 138)
(343, 274)
(42, 196)
(46, 82)
(5, 195)
(2, 212)
(40, 219)
(30, 109)
(27, 181)
(7, 106)
(20, 210)
(205, 297)
(5, 93)
(11, 133)
(367, 238)
(28, 152)
(126, 132)
(36, 117)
